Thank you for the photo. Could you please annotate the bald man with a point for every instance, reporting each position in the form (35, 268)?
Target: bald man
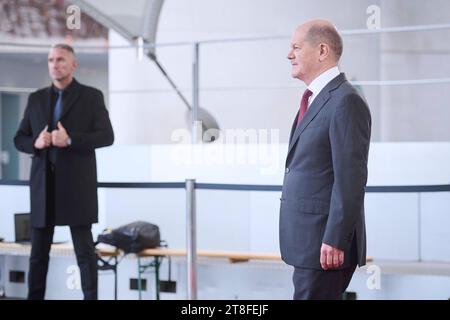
(322, 229)
(62, 126)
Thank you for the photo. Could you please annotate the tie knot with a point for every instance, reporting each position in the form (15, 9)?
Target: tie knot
(308, 93)
(58, 91)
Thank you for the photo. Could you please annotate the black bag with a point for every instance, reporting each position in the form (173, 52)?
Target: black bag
(133, 237)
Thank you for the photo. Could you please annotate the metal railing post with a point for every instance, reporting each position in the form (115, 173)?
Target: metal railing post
(196, 126)
(419, 225)
(191, 240)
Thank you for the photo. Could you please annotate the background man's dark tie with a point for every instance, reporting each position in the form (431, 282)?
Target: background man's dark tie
(58, 109)
(56, 115)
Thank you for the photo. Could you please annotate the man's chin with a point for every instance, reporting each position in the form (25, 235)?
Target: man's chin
(58, 79)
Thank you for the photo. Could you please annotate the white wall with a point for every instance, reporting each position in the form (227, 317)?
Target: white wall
(243, 84)
(248, 85)
(415, 112)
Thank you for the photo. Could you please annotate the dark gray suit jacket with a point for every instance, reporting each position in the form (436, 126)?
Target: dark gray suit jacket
(325, 178)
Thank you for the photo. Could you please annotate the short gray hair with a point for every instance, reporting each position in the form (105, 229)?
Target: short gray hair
(327, 34)
(65, 47)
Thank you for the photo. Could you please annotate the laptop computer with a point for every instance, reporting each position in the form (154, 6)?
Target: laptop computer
(22, 228)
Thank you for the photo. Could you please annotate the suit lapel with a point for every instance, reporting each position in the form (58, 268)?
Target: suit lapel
(314, 109)
(46, 106)
(293, 127)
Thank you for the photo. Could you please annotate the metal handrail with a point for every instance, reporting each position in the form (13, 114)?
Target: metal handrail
(348, 32)
(245, 187)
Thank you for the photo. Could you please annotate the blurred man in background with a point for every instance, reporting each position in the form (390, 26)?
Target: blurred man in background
(62, 126)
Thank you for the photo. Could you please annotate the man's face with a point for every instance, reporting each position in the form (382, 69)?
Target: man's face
(61, 64)
(304, 57)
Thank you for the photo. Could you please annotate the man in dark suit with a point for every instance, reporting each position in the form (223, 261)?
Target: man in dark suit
(61, 127)
(322, 228)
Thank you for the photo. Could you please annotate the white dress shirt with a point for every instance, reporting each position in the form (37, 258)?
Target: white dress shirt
(321, 81)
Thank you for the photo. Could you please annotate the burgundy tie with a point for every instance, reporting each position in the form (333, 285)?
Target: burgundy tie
(303, 105)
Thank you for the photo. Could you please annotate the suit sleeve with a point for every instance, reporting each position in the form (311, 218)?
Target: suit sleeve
(24, 138)
(349, 138)
(102, 134)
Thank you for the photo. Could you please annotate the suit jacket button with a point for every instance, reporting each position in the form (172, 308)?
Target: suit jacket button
(287, 170)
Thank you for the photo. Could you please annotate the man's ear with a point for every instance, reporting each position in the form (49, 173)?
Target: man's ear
(324, 51)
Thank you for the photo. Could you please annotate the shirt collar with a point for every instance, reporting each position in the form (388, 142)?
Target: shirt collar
(67, 89)
(323, 79)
